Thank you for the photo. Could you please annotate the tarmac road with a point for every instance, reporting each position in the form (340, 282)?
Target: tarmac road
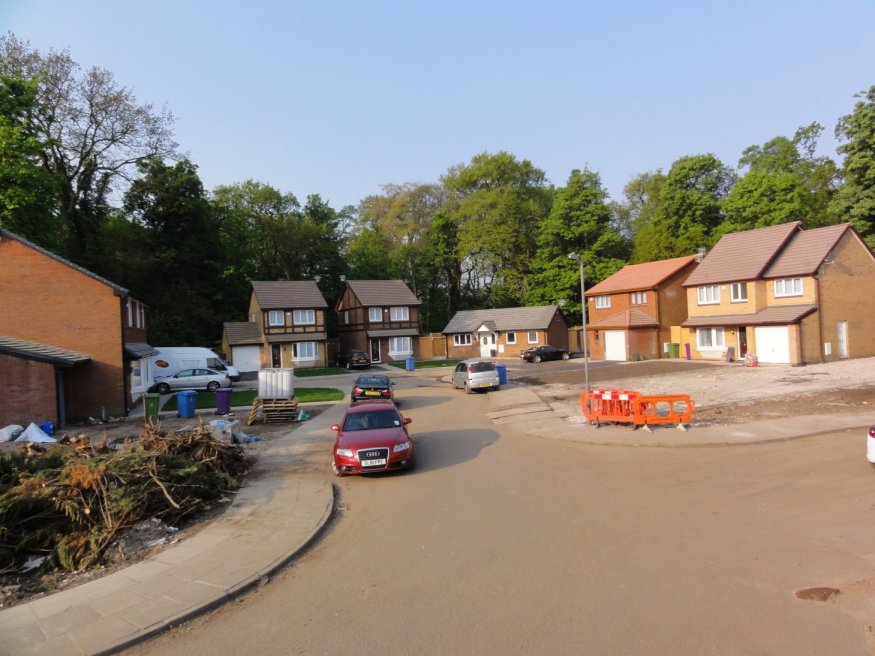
(505, 544)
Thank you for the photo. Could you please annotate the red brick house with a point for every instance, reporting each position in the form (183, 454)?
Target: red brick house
(56, 304)
(504, 332)
(380, 317)
(289, 315)
(631, 312)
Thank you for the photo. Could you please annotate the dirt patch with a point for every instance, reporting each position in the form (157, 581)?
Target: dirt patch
(148, 537)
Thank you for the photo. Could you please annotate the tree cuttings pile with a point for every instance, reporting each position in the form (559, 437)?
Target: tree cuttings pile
(69, 501)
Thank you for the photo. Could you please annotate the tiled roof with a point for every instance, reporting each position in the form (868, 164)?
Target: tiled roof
(288, 294)
(637, 277)
(804, 255)
(743, 255)
(118, 288)
(43, 352)
(519, 318)
(243, 332)
(372, 293)
(626, 319)
(770, 316)
(139, 350)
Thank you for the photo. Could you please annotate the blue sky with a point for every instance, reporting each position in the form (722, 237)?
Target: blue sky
(340, 98)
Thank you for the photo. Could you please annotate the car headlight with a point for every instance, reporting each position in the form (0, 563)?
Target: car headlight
(345, 453)
(403, 446)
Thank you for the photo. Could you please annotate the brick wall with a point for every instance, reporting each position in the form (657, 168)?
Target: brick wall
(28, 391)
(44, 300)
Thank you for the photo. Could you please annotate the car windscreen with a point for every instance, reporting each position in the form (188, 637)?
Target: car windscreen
(371, 420)
(478, 367)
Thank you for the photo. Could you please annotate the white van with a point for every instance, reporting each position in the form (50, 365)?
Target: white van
(171, 359)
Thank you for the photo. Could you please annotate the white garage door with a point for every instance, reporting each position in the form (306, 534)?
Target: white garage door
(615, 345)
(246, 358)
(773, 344)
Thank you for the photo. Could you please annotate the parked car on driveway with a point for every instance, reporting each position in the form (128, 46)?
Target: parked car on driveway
(371, 386)
(186, 379)
(353, 359)
(372, 438)
(473, 375)
(546, 352)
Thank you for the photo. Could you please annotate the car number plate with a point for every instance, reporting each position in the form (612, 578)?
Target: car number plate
(372, 393)
(485, 384)
(373, 463)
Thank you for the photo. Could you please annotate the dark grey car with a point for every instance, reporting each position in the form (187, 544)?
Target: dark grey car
(472, 375)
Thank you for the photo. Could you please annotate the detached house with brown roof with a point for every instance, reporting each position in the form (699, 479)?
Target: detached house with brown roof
(786, 294)
(631, 312)
(72, 343)
(290, 316)
(504, 332)
(379, 317)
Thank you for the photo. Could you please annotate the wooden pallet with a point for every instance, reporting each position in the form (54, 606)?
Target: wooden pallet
(273, 411)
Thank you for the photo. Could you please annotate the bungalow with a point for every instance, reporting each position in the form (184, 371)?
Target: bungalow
(504, 332)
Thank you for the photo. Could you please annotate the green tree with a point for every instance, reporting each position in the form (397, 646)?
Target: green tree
(497, 202)
(27, 190)
(92, 132)
(688, 212)
(181, 281)
(785, 182)
(855, 201)
(635, 217)
(580, 221)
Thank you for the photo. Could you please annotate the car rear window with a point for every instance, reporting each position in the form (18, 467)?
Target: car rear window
(373, 380)
(370, 420)
(478, 367)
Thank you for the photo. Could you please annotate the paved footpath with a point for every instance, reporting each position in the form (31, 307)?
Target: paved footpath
(277, 515)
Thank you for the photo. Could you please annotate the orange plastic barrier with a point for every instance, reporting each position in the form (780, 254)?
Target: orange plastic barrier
(627, 407)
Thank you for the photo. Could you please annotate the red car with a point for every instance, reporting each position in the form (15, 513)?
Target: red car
(372, 438)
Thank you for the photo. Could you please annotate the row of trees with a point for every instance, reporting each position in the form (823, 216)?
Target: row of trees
(88, 172)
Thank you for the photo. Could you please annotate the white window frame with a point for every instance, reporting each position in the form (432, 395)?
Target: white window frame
(375, 314)
(788, 287)
(346, 316)
(399, 313)
(637, 298)
(302, 351)
(738, 292)
(142, 314)
(276, 318)
(716, 339)
(708, 295)
(130, 314)
(304, 317)
(400, 346)
(532, 336)
(462, 340)
(602, 301)
(510, 338)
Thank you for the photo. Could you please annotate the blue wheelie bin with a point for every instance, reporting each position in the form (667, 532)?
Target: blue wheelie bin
(185, 403)
(502, 373)
(411, 364)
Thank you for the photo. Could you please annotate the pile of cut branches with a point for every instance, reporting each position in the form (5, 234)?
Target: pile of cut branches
(68, 501)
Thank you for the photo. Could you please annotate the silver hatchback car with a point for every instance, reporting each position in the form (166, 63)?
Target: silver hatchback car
(472, 375)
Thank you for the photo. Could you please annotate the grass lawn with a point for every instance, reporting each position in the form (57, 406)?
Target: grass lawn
(239, 398)
(427, 364)
(323, 371)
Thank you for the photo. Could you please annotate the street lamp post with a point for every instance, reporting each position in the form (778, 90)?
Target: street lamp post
(576, 256)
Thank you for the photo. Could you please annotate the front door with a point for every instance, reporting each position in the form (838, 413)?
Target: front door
(375, 350)
(487, 345)
(276, 356)
(843, 339)
(742, 342)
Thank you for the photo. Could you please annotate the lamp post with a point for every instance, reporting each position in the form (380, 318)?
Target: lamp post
(576, 256)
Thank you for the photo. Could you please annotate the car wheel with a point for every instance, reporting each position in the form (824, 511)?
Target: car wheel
(212, 386)
(411, 465)
(335, 470)
(163, 388)
(566, 356)
(537, 358)
(467, 388)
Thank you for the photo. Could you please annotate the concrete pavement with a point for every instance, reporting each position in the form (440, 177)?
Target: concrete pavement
(277, 515)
